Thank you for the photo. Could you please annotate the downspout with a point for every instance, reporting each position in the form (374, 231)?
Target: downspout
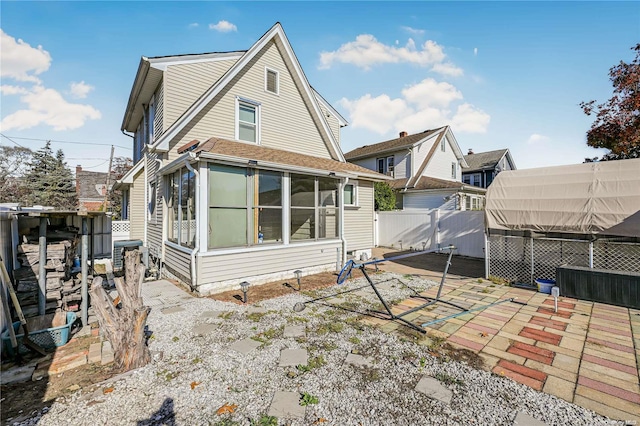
(342, 238)
(196, 246)
(146, 198)
(161, 249)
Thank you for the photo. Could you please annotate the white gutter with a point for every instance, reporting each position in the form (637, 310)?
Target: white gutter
(342, 238)
(196, 247)
(146, 199)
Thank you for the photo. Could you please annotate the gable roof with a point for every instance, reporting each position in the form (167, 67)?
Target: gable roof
(234, 151)
(275, 32)
(390, 145)
(485, 160)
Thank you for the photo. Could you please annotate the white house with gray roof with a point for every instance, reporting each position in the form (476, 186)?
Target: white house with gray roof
(426, 168)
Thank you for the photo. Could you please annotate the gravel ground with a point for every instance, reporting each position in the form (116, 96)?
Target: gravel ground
(197, 375)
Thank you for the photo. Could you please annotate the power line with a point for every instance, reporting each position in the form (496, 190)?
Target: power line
(60, 141)
(11, 140)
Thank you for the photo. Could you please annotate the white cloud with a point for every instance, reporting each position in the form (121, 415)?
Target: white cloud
(431, 93)
(80, 90)
(422, 106)
(223, 27)
(475, 51)
(469, 119)
(447, 68)
(47, 106)
(366, 51)
(20, 61)
(414, 31)
(13, 90)
(378, 114)
(536, 139)
(193, 25)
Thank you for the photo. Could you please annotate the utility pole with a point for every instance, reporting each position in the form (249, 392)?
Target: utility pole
(106, 190)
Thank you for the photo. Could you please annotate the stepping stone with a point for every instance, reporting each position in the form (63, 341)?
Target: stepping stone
(359, 360)
(17, 374)
(293, 357)
(256, 310)
(286, 405)
(172, 310)
(434, 389)
(202, 329)
(523, 419)
(364, 292)
(245, 346)
(335, 301)
(95, 352)
(293, 331)
(211, 314)
(107, 353)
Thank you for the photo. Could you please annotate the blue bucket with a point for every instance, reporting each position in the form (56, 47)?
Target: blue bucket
(544, 286)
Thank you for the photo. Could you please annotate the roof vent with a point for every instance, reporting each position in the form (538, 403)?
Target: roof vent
(403, 134)
(470, 151)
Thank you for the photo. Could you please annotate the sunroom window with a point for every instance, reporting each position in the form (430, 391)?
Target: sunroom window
(314, 212)
(181, 207)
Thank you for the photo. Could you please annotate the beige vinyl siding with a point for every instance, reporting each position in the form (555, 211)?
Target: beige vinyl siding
(358, 222)
(185, 83)
(440, 164)
(158, 121)
(178, 262)
(240, 266)
(286, 122)
(333, 123)
(154, 224)
(137, 209)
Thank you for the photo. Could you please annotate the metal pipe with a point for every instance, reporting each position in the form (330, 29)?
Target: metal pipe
(479, 308)
(42, 274)
(196, 245)
(85, 271)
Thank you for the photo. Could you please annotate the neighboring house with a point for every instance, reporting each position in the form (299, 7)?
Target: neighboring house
(485, 166)
(426, 169)
(238, 172)
(91, 188)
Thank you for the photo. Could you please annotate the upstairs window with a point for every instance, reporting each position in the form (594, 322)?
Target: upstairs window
(454, 170)
(271, 81)
(386, 165)
(443, 144)
(248, 121)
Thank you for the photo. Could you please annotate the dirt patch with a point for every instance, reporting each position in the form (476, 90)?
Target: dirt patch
(274, 289)
(21, 399)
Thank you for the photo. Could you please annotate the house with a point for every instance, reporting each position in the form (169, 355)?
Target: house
(238, 173)
(485, 166)
(426, 169)
(91, 188)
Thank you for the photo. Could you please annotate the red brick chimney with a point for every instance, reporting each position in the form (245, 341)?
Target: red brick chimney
(470, 151)
(403, 134)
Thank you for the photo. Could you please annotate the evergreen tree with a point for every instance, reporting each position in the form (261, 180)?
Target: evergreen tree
(49, 181)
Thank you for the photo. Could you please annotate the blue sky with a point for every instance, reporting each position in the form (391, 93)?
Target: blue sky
(502, 74)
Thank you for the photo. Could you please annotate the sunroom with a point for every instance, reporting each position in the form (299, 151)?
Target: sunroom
(240, 212)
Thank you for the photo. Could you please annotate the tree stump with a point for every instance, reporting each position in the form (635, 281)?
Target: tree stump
(123, 323)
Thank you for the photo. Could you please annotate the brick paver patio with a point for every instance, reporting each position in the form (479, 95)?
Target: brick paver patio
(586, 353)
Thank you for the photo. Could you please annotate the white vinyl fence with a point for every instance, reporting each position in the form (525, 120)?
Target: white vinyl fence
(432, 229)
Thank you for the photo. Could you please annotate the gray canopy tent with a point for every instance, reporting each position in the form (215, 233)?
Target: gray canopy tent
(580, 216)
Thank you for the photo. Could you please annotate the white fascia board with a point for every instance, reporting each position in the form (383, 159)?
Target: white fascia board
(127, 179)
(456, 148)
(177, 163)
(341, 120)
(141, 75)
(162, 63)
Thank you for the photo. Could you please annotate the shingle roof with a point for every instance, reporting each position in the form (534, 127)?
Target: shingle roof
(426, 183)
(390, 145)
(483, 160)
(90, 184)
(278, 156)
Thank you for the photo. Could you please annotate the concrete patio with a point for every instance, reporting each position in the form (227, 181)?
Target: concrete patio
(586, 353)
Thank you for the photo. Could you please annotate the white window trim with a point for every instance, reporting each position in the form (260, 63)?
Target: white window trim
(355, 194)
(454, 170)
(257, 105)
(266, 73)
(443, 144)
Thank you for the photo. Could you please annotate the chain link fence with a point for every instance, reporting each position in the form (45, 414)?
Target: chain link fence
(522, 260)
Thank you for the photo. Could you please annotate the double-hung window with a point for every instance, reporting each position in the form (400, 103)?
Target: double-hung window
(386, 166)
(454, 170)
(247, 121)
(181, 207)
